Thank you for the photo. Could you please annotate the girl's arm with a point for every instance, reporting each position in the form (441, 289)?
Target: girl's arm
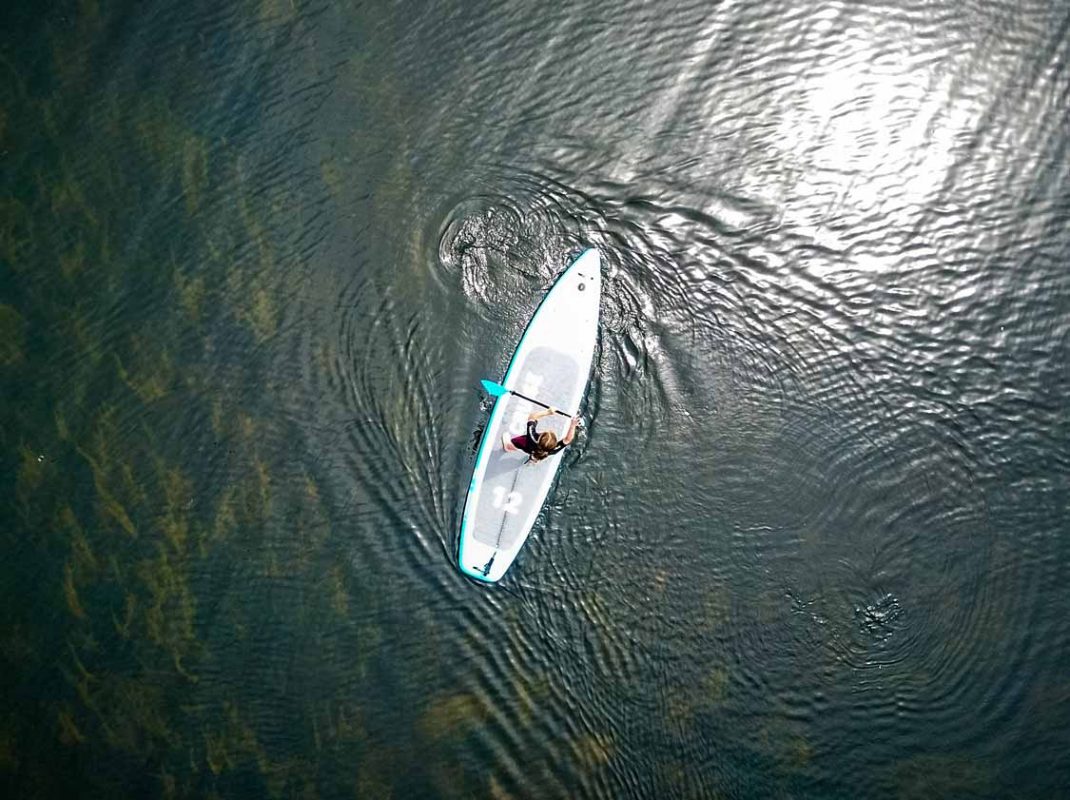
(571, 430)
(534, 415)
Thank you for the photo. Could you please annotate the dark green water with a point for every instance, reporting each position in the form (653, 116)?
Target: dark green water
(254, 259)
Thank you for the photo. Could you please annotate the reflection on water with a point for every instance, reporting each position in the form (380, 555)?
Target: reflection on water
(254, 261)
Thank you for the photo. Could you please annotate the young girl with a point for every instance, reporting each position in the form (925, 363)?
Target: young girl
(539, 445)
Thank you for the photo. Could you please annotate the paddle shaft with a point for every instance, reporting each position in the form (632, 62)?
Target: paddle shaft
(538, 403)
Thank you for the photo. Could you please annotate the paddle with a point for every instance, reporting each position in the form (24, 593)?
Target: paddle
(497, 390)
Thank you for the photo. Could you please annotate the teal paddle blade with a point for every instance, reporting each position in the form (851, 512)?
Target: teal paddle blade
(494, 389)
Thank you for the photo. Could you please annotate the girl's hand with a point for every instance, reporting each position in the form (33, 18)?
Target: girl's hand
(571, 430)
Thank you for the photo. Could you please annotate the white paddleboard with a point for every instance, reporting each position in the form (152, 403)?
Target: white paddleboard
(552, 364)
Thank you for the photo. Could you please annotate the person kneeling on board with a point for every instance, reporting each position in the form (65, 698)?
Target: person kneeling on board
(539, 445)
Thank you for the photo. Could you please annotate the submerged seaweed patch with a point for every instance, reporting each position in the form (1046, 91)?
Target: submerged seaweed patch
(12, 335)
(151, 372)
(70, 592)
(191, 294)
(183, 576)
(194, 172)
(170, 614)
(594, 750)
(69, 732)
(943, 776)
(452, 716)
(337, 590)
(716, 685)
(32, 467)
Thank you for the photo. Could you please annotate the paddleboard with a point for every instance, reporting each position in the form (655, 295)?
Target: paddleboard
(552, 364)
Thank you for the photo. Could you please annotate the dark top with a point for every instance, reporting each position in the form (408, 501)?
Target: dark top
(533, 441)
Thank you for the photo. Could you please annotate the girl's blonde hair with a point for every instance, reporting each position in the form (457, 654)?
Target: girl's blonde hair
(547, 442)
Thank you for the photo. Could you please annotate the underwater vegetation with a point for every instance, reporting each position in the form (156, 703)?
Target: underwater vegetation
(199, 256)
(12, 335)
(173, 583)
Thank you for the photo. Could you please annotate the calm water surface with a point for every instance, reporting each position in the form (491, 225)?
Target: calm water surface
(254, 259)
